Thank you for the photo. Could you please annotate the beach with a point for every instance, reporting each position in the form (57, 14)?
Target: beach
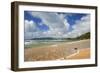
(60, 51)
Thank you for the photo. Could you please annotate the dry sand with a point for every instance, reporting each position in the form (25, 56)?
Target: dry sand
(83, 54)
(59, 51)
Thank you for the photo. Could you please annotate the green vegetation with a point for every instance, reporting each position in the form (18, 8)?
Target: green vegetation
(84, 36)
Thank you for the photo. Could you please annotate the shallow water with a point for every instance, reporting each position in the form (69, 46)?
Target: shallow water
(38, 43)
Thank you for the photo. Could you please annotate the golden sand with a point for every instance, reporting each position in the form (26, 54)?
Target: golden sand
(83, 54)
(58, 51)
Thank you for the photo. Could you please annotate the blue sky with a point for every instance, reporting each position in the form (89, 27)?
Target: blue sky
(55, 24)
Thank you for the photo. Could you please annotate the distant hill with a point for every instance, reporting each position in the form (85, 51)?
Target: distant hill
(84, 36)
(44, 38)
(49, 38)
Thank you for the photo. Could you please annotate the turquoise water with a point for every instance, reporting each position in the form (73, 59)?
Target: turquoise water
(40, 43)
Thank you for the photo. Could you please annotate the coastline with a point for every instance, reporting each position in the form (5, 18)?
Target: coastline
(59, 51)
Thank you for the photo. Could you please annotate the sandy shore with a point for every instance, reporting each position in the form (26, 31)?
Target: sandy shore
(83, 54)
(59, 51)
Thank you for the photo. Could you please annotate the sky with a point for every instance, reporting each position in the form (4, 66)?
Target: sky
(55, 24)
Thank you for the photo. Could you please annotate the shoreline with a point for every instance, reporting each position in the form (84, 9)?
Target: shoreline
(58, 43)
(57, 51)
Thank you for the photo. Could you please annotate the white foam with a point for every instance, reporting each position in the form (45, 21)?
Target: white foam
(54, 45)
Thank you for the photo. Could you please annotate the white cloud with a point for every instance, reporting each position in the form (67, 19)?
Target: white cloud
(30, 28)
(57, 24)
(62, 18)
(80, 27)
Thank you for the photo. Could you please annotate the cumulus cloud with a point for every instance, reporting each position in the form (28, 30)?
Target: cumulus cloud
(30, 28)
(58, 26)
(80, 27)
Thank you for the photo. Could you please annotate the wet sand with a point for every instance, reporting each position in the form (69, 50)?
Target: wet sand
(59, 51)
